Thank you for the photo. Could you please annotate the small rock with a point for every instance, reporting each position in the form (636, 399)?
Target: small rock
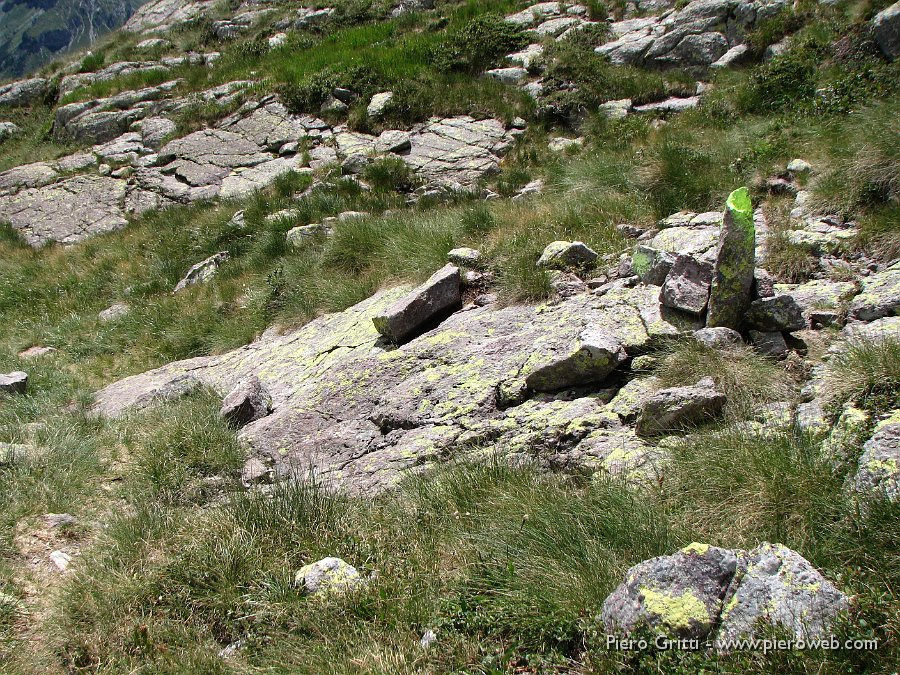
(464, 257)
(510, 76)
(61, 559)
(334, 105)
(780, 313)
(676, 408)
(297, 236)
(60, 520)
(652, 265)
(277, 40)
(254, 471)
(393, 141)
(763, 284)
(113, 312)
(328, 575)
(36, 352)
(797, 167)
(559, 144)
(769, 343)
(615, 110)
(566, 254)
(590, 359)
(879, 297)
(687, 285)
(718, 338)
(247, 402)
(203, 271)
(8, 130)
(409, 315)
(378, 103)
(630, 231)
(14, 383)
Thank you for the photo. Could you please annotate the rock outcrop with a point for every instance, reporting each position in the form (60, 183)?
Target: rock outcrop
(361, 414)
(732, 280)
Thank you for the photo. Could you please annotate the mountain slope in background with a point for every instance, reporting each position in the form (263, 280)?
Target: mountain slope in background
(33, 32)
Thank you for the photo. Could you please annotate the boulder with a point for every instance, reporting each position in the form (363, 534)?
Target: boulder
(113, 312)
(203, 271)
(769, 343)
(732, 281)
(878, 475)
(763, 284)
(14, 383)
(775, 586)
(562, 255)
(879, 297)
(652, 265)
(886, 31)
(680, 595)
(8, 130)
(416, 311)
(677, 408)
(560, 143)
(615, 110)
(378, 103)
(819, 299)
(591, 358)
(512, 76)
(687, 285)
(155, 130)
(780, 313)
(329, 575)
(37, 352)
(718, 338)
(464, 257)
(247, 402)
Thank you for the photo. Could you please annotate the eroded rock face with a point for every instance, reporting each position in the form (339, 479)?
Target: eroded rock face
(361, 415)
(24, 92)
(247, 402)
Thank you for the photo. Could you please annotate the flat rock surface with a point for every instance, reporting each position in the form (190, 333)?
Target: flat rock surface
(360, 414)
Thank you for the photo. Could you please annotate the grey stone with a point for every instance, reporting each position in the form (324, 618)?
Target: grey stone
(528, 57)
(718, 338)
(61, 560)
(652, 265)
(297, 236)
(676, 408)
(732, 281)
(776, 586)
(155, 130)
(378, 103)
(512, 76)
(14, 383)
(590, 358)
(253, 472)
(203, 271)
(615, 110)
(763, 284)
(798, 167)
(8, 130)
(686, 286)
(247, 402)
(680, 595)
(670, 105)
(878, 474)
(36, 352)
(779, 313)
(113, 312)
(464, 257)
(329, 575)
(731, 57)
(561, 144)
(394, 141)
(55, 520)
(879, 297)
(886, 30)
(564, 255)
(769, 343)
(162, 15)
(411, 314)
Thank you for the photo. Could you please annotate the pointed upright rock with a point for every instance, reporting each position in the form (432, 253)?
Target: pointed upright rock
(732, 281)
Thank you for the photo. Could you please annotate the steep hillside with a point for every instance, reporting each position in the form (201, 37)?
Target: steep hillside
(454, 336)
(33, 32)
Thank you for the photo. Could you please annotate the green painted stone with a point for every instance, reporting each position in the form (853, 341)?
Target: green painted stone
(732, 281)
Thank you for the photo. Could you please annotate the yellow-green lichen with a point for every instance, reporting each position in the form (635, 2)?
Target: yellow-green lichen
(695, 547)
(678, 612)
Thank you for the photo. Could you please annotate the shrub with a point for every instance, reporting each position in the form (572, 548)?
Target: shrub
(478, 45)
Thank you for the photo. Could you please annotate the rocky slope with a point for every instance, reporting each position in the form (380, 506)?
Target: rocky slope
(765, 313)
